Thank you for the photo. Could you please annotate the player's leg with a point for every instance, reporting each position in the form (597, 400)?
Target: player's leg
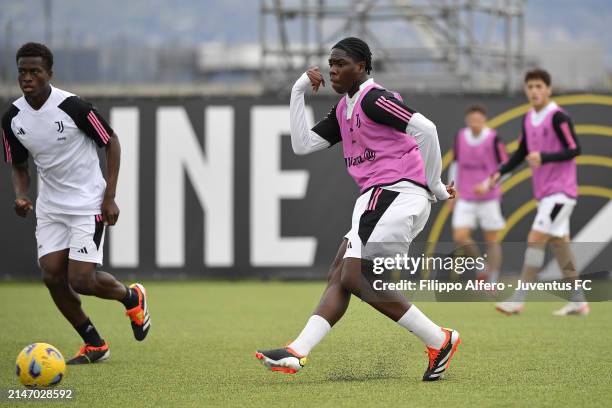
(389, 226)
(55, 276)
(532, 263)
(441, 343)
(86, 280)
(492, 221)
(562, 251)
(463, 222)
(54, 268)
(463, 238)
(331, 308)
(494, 254)
(558, 227)
(86, 251)
(53, 238)
(335, 299)
(358, 278)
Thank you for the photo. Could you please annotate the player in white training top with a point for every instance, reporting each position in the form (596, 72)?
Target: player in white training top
(60, 132)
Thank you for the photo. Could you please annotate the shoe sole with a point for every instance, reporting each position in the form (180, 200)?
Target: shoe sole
(104, 357)
(267, 363)
(580, 312)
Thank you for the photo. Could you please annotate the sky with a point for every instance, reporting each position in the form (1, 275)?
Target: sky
(191, 22)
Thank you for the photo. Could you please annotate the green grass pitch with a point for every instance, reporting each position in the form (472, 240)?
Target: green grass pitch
(200, 352)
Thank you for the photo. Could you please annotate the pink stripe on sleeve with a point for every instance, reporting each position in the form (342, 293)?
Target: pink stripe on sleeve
(7, 148)
(503, 155)
(399, 109)
(104, 134)
(567, 133)
(392, 111)
(95, 118)
(98, 126)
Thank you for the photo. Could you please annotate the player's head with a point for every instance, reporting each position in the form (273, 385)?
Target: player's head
(538, 87)
(34, 67)
(350, 63)
(476, 118)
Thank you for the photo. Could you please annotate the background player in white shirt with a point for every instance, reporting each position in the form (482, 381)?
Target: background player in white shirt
(60, 132)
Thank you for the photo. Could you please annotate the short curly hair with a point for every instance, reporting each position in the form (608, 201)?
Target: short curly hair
(33, 49)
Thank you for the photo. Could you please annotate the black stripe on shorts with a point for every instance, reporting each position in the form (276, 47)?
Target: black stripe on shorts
(99, 231)
(555, 211)
(380, 200)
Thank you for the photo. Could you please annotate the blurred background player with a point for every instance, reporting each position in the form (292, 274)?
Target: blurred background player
(478, 153)
(393, 154)
(549, 145)
(60, 131)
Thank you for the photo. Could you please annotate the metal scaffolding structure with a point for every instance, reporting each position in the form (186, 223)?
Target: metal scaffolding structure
(421, 45)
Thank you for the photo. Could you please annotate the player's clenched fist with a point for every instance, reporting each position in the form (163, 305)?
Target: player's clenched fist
(316, 78)
(450, 189)
(110, 211)
(22, 206)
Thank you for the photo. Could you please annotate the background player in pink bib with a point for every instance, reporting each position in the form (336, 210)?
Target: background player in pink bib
(477, 153)
(393, 154)
(549, 145)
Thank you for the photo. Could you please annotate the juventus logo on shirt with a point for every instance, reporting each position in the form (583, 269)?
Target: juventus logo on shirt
(60, 126)
(358, 121)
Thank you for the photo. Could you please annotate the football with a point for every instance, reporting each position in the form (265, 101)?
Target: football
(40, 365)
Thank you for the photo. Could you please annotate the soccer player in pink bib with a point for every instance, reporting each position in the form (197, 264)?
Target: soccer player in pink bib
(549, 145)
(478, 153)
(393, 154)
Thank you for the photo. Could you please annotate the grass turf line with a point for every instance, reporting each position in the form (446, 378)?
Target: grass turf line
(204, 334)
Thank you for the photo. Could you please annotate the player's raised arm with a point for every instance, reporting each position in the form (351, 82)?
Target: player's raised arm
(325, 133)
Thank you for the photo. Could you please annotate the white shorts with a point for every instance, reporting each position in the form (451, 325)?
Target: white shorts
(486, 214)
(385, 223)
(82, 234)
(553, 217)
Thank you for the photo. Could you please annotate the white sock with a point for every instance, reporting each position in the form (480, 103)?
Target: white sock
(518, 296)
(430, 333)
(493, 276)
(316, 328)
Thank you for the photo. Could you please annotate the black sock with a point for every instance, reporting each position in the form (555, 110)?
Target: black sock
(89, 334)
(131, 298)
